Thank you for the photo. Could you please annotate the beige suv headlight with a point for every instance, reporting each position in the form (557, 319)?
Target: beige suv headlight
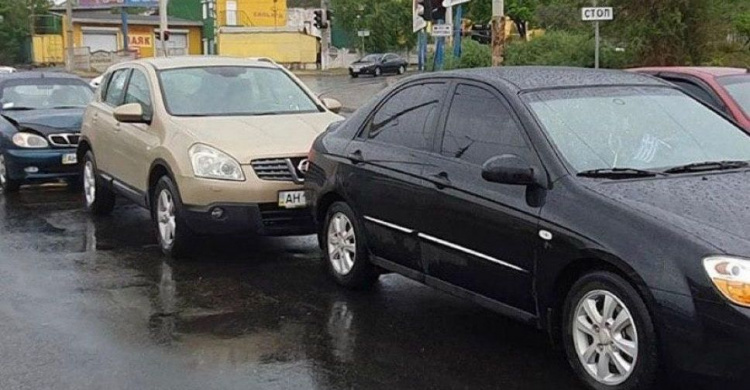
(731, 276)
(211, 163)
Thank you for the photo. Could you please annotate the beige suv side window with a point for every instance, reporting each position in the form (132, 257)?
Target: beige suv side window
(116, 87)
(139, 92)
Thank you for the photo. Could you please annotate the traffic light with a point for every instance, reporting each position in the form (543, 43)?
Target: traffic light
(320, 20)
(329, 17)
(430, 10)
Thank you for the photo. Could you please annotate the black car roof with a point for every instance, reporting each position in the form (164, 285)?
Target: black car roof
(522, 78)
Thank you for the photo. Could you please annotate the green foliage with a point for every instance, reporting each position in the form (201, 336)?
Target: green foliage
(14, 29)
(389, 22)
(561, 48)
(475, 55)
(742, 26)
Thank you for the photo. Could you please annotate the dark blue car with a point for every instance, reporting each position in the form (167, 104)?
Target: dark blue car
(40, 122)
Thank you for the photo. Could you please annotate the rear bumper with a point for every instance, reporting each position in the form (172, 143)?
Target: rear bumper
(266, 219)
(48, 164)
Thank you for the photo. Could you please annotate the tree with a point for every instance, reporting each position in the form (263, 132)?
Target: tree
(15, 27)
(389, 22)
(742, 26)
(521, 12)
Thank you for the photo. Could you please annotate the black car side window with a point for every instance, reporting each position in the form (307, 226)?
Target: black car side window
(407, 118)
(139, 92)
(116, 87)
(480, 126)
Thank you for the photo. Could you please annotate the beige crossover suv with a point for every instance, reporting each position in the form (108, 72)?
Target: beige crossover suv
(210, 145)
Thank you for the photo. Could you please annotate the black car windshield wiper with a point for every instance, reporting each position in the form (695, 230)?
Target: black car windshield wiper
(708, 166)
(619, 173)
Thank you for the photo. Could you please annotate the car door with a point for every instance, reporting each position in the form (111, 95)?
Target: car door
(103, 122)
(383, 181)
(137, 139)
(388, 63)
(477, 235)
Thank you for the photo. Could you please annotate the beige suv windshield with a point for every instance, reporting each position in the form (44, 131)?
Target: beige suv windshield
(232, 90)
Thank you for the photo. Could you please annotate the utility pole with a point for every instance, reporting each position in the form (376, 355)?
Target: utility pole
(324, 35)
(498, 32)
(163, 25)
(70, 56)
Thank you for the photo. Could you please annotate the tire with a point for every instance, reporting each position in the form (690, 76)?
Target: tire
(172, 233)
(345, 250)
(98, 197)
(8, 185)
(401, 69)
(354, 75)
(605, 339)
(378, 72)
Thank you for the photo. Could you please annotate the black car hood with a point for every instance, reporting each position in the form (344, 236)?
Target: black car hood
(47, 121)
(714, 208)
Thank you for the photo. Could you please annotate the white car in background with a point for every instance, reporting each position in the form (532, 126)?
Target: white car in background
(7, 69)
(95, 83)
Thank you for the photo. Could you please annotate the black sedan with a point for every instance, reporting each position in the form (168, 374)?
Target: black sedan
(40, 122)
(605, 208)
(378, 64)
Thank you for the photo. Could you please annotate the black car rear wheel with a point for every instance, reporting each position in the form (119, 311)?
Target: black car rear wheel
(377, 72)
(401, 69)
(609, 335)
(7, 184)
(345, 250)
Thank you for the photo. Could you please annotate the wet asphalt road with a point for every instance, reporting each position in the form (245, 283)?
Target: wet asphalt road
(91, 303)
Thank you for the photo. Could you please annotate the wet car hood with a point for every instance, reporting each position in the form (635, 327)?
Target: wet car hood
(47, 121)
(714, 208)
(247, 138)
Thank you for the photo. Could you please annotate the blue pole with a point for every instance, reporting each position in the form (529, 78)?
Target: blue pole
(422, 49)
(124, 17)
(439, 50)
(458, 11)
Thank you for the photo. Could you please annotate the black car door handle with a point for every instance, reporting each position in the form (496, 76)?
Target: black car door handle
(356, 157)
(440, 180)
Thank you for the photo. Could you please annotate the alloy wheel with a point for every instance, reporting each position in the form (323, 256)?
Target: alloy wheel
(605, 337)
(89, 183)
(3, 170)
(166, 218)
(342, 244)
(401, 70)
(378, 72)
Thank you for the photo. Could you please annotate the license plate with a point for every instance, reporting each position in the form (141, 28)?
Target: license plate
(69, 159)
(292, 199)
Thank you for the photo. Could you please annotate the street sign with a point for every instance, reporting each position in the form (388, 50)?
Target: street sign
(453, 3)
(417, 19)
(363, 33)
(595, 14)
(442, 30)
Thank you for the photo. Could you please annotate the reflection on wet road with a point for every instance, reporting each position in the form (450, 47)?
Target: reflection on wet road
(92, 304)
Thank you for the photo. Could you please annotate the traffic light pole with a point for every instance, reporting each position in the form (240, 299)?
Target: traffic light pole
(324, 36)
(458, 15)
(498, 32)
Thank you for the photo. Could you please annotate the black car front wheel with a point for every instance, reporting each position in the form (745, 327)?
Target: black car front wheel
(345, 250)
(609, 335)
(401, 69)
(378, 72)
(7, 184)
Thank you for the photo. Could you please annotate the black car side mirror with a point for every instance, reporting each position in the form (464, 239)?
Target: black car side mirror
(509, 169)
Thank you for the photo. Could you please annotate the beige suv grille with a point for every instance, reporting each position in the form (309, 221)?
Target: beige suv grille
(279, 169)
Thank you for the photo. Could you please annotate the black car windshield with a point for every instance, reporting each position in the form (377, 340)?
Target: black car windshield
(647, 128)
(44, 93)
(371, 58)
(232, 90)
(739, 88)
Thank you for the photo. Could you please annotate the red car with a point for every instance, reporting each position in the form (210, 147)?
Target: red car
(726, 89)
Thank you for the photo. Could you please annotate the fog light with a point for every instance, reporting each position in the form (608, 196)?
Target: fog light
(31, 169)
(217, 213)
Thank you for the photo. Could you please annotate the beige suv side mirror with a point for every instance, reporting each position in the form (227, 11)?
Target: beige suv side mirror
(332, 104)
(130, 113)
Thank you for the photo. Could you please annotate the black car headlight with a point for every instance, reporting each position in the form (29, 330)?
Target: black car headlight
(731, 276)
(29, 140)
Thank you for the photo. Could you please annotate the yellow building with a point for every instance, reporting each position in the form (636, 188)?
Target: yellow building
(258, 28)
